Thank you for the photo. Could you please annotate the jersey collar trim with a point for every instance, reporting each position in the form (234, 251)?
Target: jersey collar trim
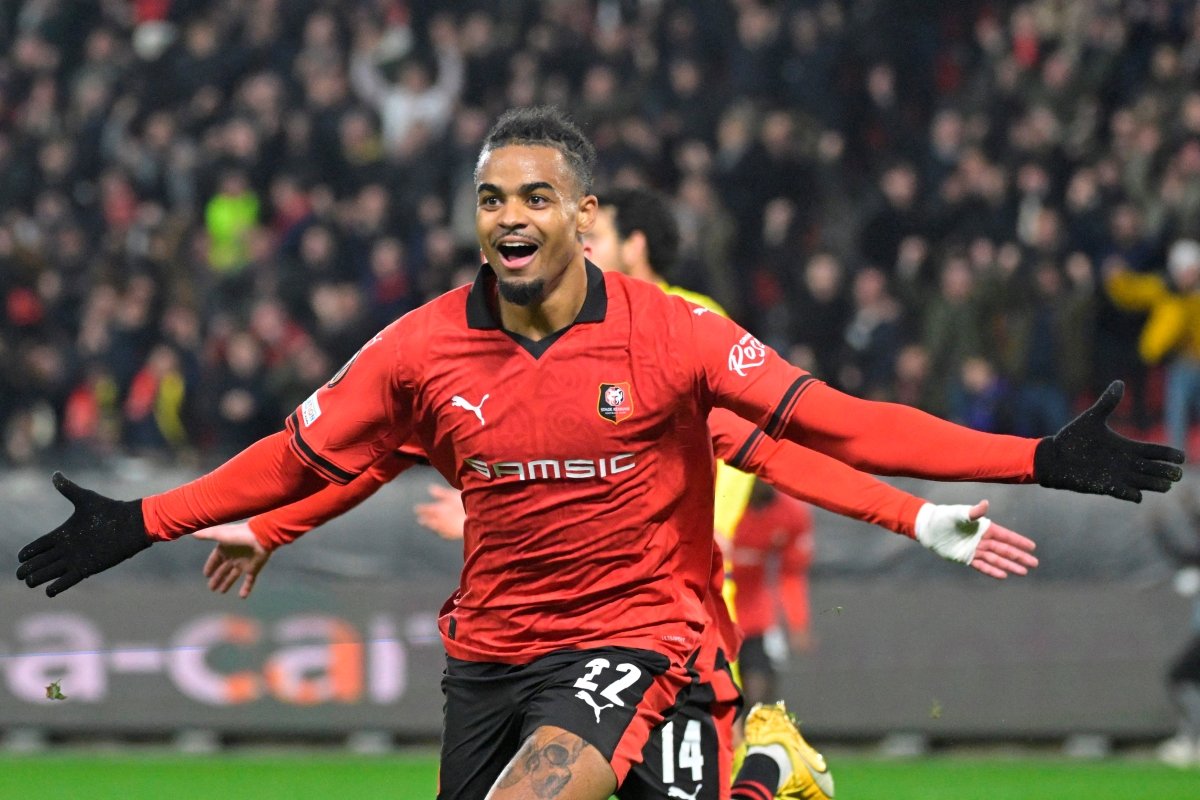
(480, 315)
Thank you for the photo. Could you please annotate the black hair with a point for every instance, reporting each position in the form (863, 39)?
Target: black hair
(649, 212)
(544, 125)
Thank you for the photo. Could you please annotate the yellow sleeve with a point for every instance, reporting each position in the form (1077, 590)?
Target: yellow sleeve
(1135, 291)
(695, 297)
(732, 495)
(1163, 330)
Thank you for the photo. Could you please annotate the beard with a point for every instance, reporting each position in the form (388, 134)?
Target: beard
(523, 293)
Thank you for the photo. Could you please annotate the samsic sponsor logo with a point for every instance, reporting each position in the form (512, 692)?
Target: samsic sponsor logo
(549, 469)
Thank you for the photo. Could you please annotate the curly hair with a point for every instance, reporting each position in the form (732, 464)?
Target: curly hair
(544, 125)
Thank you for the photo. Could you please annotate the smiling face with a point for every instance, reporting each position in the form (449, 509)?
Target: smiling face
(529, 217)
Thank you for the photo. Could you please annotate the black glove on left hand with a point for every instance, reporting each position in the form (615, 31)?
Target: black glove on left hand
(1088, 456)
(100, 534)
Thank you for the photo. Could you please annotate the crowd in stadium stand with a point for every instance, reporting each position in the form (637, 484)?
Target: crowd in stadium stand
(206, 207)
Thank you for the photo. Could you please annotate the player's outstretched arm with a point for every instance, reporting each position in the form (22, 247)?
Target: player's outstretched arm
(237, 553)
(957, 532)
(1085, 456)
(1090, 457)
(743, 375)
(243, 548)
(101, 533)
(965, 534)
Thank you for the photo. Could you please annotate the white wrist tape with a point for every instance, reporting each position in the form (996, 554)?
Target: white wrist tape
(947, 531)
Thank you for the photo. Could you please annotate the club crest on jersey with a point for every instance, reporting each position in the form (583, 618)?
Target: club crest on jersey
(616, 402)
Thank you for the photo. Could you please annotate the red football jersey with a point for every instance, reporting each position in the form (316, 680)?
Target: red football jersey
(584, 459)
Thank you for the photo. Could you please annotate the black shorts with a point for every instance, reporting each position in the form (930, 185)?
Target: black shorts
(610, 697)
(1186, 668)
(753, 657)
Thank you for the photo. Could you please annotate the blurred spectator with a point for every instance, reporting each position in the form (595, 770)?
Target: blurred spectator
(822, 311)
(153, 408)
(952, 330)
(1047, 347)
(91, 425)
(897, 218)
(979, 397)
(418, 103)
(241, 412)
(1172, 331)
(873, 336)
(1128, 248)
(229, 217)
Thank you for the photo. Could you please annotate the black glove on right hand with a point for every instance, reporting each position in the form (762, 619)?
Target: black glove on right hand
(100, 534)
(1088, 456)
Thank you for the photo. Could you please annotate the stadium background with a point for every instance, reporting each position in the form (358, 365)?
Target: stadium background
(205, 207)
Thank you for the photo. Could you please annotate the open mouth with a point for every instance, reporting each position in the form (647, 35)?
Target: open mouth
(516, 254)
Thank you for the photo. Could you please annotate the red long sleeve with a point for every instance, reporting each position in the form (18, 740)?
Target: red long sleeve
(811, 476)
(285, 525)
(893, 439)
(834, 486)
(263, 476)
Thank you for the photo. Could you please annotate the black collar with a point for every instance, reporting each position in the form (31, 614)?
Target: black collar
(481, 316)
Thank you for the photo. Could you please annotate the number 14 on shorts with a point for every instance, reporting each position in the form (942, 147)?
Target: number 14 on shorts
(690, 757)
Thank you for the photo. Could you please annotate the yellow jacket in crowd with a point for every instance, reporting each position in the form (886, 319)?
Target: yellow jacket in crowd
(1173, 326)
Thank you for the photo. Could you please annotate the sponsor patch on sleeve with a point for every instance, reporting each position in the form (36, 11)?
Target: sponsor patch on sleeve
(748, 353)
(310, 409)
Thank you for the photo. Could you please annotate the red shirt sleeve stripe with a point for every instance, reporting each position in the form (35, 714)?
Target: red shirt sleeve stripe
(783, 411)
(284, 525)
(746, 451)
(326, 468)
(263, 476)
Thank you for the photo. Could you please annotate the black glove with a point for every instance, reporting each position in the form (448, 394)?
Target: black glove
(1088, 456)
(100, 534)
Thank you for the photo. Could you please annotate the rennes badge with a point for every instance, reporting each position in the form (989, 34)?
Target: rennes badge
(616, 402)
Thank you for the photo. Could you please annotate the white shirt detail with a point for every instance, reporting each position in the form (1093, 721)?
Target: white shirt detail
(459, 402)
(675, 791)
(310, 410)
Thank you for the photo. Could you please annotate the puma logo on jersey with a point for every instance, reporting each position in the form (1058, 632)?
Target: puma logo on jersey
(587, 698)
(459, 402)
(697, 312)
(675, 791)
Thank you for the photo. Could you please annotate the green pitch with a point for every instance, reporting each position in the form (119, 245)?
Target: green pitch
(320, 777)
